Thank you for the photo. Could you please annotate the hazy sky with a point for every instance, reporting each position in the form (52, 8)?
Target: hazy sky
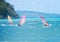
(51, 6)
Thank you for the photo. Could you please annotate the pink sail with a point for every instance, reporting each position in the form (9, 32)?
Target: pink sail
(44, 21)
(22, 21)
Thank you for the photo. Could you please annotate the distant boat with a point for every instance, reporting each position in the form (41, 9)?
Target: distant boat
(10, 20)
(22, 21)
(44, 21)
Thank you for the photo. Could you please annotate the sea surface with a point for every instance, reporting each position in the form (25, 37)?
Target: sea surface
(32, 31)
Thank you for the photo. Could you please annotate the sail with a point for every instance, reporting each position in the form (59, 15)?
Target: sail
(23, 19)
(10, 20)
(44, 21)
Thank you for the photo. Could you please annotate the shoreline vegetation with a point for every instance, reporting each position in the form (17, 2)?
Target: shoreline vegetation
(7, 9)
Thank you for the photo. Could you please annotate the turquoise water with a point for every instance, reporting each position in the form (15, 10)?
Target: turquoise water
(32, 31)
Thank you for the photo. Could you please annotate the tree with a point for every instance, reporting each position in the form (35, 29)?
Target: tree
(7, 9)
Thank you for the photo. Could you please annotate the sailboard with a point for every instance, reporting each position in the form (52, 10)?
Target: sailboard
(10, 20)
(44, 21)
(22, 21)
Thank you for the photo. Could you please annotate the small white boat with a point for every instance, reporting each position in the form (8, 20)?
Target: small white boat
(44, 21)
(10, 20)
(22, 21)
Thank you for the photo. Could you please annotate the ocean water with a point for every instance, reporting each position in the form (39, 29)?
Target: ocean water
(32, 31)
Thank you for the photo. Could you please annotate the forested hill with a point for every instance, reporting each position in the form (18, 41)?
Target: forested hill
(7, 9)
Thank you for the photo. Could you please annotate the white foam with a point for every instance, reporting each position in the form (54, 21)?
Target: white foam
(3, 24)
(9, 25)
(16, 25)
(47, 26)
(6, 25)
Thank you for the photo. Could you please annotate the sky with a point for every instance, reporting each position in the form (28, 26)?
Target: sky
(48, 6)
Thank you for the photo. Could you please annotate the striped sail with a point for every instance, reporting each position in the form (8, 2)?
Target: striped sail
(22, 21)
(44, 21)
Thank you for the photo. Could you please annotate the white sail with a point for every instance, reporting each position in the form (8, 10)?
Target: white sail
(10, 20)
(44, 21)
